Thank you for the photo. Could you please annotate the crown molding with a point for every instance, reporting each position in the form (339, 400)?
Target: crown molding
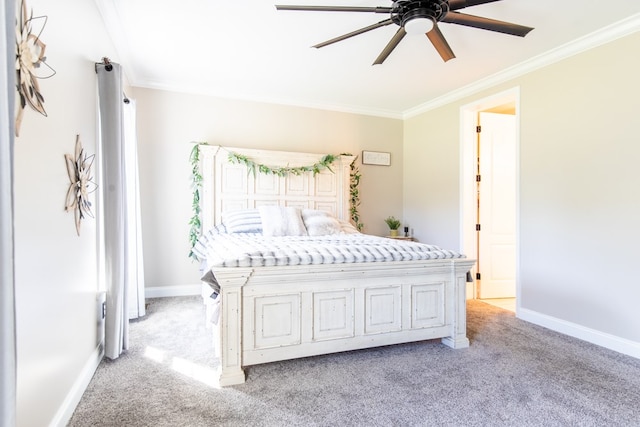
(389, 114)
(607, 34)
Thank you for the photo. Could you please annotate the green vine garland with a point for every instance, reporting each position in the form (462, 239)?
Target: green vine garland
(325, 162)
(195, 224)
(354, 200)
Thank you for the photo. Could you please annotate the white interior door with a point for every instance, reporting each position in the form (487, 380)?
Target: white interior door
(497, 205)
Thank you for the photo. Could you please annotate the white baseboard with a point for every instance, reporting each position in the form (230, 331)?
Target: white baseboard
(612, 342)
(64, 413)
(172, 291)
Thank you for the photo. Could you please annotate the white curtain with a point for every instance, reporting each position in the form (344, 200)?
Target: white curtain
(7, 283)
(133, 257)
(121, 240)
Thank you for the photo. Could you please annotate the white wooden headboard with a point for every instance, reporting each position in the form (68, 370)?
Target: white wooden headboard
(230, 186)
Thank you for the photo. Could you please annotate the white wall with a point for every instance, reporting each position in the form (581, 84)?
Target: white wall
(56, 271)
(579, 202)
(168, 122)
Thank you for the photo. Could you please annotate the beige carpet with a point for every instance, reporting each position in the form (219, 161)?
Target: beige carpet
(513, 374)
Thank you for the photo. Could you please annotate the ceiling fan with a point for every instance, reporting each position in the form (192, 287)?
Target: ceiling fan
(420, 17)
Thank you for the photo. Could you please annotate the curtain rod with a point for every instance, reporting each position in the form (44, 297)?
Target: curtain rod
(108, 66)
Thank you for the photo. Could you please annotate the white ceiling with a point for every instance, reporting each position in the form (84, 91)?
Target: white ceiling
(245, 49)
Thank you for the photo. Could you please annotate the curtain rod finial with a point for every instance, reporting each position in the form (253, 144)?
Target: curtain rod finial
(107, 63)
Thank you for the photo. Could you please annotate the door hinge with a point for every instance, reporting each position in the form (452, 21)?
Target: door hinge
(478, 178)
(478, 129)
(477, 276)
(477, 227)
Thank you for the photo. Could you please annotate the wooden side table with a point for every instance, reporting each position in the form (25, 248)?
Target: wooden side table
(410, 239)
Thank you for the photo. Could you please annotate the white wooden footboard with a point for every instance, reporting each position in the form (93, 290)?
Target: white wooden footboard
(279, 313)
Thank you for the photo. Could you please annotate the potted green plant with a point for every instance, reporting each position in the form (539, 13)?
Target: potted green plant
(393, 225)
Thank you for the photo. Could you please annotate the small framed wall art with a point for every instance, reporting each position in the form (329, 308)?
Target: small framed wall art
(376, 158)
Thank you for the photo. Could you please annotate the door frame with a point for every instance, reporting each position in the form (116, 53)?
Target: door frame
(468, 156)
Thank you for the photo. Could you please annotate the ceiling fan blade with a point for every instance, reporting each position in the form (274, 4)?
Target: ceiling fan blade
(378, 9)
(440, 43)
(355, 33)
(486, 24)
(399, 35)
(461, 4)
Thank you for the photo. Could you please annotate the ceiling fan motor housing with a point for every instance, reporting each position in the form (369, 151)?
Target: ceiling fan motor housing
(404, 11)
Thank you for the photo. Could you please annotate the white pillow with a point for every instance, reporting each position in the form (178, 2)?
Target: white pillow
(320, 223)
(348, 228)
(281, 221)
(242, 221)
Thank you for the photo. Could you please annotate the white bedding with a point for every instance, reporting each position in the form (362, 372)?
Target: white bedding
(256, 250)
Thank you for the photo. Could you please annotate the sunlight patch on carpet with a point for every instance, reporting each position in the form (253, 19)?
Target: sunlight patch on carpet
(154, 354)
(204, 374)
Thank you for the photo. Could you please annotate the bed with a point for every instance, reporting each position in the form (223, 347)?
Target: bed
(293, 300)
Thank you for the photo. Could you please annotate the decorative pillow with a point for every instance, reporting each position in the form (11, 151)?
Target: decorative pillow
(281, 221)
(220, 229)
(347, 228)
(320, 223)
(242, 221)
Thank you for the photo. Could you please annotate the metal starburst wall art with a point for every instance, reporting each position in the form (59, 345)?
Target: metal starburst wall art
(30, 60)
(79, 171)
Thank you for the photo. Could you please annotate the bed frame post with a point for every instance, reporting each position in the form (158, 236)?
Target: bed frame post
(343, 210)
(207, 197)
(458, 337)
(230, 335)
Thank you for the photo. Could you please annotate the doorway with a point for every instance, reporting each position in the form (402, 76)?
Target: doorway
(489, 182)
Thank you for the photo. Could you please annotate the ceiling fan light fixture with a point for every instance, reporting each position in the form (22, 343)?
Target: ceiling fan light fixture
(419, 25)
